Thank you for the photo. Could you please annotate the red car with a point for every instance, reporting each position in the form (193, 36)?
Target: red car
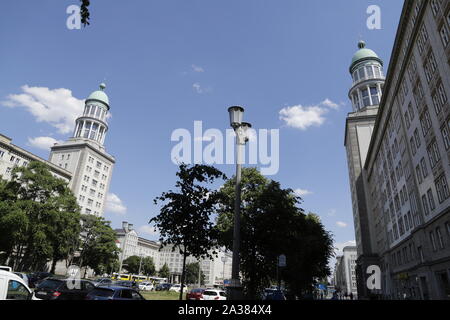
(195, 294)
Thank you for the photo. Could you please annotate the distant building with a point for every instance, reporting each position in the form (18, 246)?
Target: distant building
(398, 152)
(345, 273)
(215, 270)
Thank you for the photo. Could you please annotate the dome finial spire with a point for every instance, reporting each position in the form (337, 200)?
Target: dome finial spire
(361, 44)
(102, 86)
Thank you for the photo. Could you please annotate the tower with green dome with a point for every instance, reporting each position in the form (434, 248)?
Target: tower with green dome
(366, 69)
(85, 156)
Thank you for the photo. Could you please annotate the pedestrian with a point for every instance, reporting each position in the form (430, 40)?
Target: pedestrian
(345, 295)
(351, 295)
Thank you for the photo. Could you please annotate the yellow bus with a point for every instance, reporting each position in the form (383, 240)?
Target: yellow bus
(138, 278)
(121, 276)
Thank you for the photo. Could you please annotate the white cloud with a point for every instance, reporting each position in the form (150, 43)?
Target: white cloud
(302, 192)
(197, 68)
(303, 117)
(341, 224)
(199, 89)
(55, 106)
(115, 205)
(43, 143)
(149, 230)
(328, 103)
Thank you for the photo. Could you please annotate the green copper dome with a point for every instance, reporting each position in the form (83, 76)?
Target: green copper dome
(364, 54)
(100, 95)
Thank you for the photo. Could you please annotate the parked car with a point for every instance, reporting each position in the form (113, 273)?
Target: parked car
(274, 294)
(63, 289)
(195, 294)
(114, 293)
(146, 286)
(102, 282)
(177, 288)
(163, 287)
(24, 277)
(214, 294)
(126, 283)
(12, 287)
(36, 277)
(6, 268)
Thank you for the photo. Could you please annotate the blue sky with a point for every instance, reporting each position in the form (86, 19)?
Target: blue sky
(168, 63)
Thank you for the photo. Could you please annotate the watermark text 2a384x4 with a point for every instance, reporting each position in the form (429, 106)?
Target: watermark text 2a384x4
(221, 150)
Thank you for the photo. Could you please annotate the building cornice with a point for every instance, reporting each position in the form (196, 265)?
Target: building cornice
(82, 145)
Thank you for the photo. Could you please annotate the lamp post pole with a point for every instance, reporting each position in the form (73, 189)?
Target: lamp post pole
(240, 128)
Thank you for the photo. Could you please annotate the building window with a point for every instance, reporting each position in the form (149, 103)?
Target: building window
(420, 253)
(419, 174)
(431, 199)
(366, 97)
(445, 136)
(417, 138)
(408, 124)
(433, 240)
(425, 122)
(374, 95)
(440, 238)
(423, 165)
(433, 153)
(444, 34)
(413, 146)
(425, 205)
(442, 188)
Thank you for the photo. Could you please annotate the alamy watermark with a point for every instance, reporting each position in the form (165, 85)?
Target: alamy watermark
(73, 21)
(374, 280)
(74, 277)
(374, 20)
(214, 147)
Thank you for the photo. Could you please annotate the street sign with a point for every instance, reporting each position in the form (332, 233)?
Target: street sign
(282, 260)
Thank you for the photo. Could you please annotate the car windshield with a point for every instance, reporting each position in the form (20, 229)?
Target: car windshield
(50, 284)
(101, 293)
(210, 293)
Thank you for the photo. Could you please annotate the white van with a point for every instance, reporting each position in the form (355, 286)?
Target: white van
(12, 287)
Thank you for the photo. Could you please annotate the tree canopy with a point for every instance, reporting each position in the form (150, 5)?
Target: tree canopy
(185, 220)
(39, 218)
(272, 224)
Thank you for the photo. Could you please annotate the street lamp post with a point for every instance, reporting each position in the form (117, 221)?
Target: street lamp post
(240, 128)
(224, 260)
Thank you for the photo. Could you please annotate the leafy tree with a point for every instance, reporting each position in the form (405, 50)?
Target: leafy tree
(148, 266)
(84, 12)
(184, 220)
(98, 248)
(164, 272)
(192, 270)
(272, 224)
(39, 218)
(132, 264)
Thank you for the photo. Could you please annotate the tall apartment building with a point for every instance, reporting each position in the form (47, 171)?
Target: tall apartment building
(403, 178)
